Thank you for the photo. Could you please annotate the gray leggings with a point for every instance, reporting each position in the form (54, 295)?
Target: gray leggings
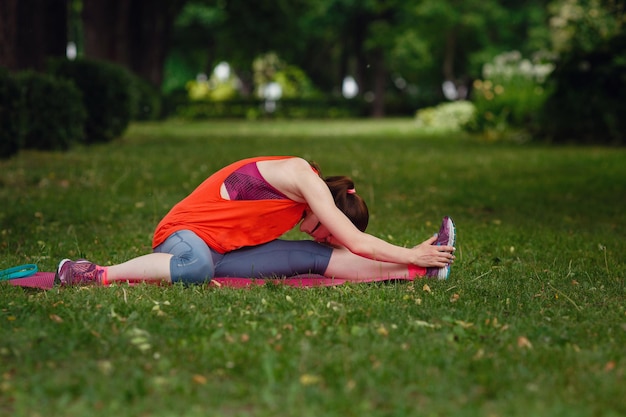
(194, 262)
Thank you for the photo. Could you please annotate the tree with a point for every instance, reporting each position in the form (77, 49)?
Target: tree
(31, 31)
(458, 37)
(418, 44)
(237, 31)
(410, 42)
(354, 36)
(586, 103)
(8, 29)
(133, 33)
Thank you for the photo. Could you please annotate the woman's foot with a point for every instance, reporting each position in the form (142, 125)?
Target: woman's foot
(445, 237)
(80, 272)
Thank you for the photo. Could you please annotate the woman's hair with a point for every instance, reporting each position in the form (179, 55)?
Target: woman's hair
(348, 201)
(346, 198)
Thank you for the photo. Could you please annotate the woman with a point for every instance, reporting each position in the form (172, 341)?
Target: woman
(230, 224)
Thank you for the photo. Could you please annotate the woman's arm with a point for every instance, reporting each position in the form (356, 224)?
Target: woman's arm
(317, 195)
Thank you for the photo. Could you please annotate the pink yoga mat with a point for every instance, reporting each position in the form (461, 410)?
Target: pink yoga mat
(45, 280)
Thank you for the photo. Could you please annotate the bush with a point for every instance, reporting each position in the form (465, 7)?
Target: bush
(10, 139)
(108, 95)
(322, 108)
(446, 116)
(587, 104)
(510, 95)
(53, 111)
(211, 89)
(147, 100)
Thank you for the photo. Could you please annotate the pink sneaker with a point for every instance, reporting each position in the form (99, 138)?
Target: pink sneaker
(79, 272)
(445, 237)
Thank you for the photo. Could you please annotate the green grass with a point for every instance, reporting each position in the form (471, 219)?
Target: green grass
(532, 321)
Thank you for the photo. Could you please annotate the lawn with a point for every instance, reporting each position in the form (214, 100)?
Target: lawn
(531, 322)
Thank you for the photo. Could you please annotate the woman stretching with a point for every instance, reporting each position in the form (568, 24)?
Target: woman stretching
(230, 224)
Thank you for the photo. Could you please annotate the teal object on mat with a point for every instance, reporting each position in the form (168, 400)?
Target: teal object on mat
(21, 271)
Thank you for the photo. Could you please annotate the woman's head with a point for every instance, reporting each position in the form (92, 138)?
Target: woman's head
(348, 201)
(346, 198)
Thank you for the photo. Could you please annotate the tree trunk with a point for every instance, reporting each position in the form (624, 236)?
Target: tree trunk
(8, 33)
(31, 32)
(448, 58)
(133, 33)
(150, 29)
(362, 65)
(105, 32)
(380, 83)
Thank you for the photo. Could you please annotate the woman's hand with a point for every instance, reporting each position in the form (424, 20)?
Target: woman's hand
(428, 255)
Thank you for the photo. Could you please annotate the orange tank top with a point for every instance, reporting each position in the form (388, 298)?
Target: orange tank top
(226, 225)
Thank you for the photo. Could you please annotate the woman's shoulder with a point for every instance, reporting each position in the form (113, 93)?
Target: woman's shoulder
(288, 162)
(288, 175)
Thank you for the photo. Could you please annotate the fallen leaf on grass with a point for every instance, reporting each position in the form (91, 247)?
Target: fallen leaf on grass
(140, 339)
(335, 306)
(56, 318)
(479, 354)
(309, 379)
(421, 323)
(524, 343)
(426, 288)
(106, 367)
(463, 324)
(199, 379)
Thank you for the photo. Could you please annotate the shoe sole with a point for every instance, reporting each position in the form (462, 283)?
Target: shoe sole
(451, 232)
(57, 276)
(444, 273)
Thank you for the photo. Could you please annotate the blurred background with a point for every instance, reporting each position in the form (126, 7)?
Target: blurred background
(550, 69)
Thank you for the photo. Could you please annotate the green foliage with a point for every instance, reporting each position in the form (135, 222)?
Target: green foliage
(583, 25)
(451, 116)
(148, 101)
(53, 111)
(510, 95)
(212, 89)
(317, 108)
(270, 68)
(330, 39)
(108, 95)
(530, 322)
(587, 103)
(295, 83)
(10, 115)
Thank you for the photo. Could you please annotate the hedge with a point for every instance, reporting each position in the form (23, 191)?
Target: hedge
(587, 103)
(108, 95)
(10, 139)
(53, 111)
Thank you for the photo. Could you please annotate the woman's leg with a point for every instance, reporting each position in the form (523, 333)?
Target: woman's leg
(346, 265)
(278, 258)
(182, 257)
(281, 258)
(192, 261)
(150, 268)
